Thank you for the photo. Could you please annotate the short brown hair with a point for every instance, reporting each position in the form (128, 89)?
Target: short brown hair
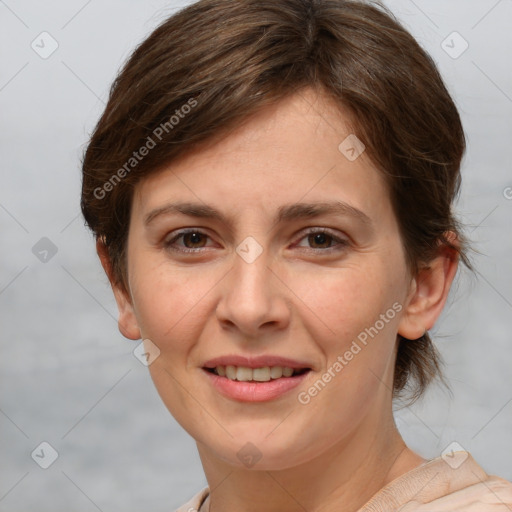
(214, 63)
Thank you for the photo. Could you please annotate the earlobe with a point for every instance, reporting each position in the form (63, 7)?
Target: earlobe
(428, 293)
(127, 321)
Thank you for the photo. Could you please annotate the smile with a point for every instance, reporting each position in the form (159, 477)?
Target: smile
(263, 374)
(245, 384)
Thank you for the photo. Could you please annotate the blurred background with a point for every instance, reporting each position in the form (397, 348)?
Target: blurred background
(69, 380)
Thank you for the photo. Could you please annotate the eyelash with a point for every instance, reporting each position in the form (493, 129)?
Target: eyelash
(341, 242)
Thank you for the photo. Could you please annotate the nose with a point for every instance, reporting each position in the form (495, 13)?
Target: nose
(254, 297)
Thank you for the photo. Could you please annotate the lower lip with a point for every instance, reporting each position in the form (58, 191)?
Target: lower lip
(254, 391)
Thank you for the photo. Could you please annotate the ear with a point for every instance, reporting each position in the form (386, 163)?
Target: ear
(127, 321)
(429, 291)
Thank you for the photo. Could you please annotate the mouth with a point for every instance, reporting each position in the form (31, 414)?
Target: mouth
(255, 378)
(259, 384)
(262, 374)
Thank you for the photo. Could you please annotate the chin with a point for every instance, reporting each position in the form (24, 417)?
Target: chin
(266, 453)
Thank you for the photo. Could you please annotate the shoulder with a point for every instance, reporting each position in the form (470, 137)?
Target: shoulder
(494, 494)
(455, 483)
(195, 502)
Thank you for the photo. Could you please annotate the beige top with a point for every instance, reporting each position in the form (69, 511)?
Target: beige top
(436, 482)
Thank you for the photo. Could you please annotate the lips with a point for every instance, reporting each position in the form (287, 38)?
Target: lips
(254, 391)
(255, 379)
(256, 362)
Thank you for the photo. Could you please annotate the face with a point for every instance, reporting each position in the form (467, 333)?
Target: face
(270, 248)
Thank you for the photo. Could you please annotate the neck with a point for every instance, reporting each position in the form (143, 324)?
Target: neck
(344, 477)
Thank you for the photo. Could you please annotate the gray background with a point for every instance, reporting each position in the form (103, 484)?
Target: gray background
(69, 378)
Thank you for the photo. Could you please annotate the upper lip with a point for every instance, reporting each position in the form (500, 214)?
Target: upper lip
(255, 362)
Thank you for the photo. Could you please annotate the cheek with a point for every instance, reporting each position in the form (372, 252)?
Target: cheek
(167, 300)
(352, 314)
(339, 304)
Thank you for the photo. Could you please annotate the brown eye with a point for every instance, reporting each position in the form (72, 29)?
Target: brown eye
(322, 240)
(192, 241)
(194, 238)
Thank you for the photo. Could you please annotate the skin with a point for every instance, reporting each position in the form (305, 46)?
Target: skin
(298, 299)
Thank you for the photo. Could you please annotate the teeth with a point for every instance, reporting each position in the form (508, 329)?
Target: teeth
(261, 374)
(244, 374)
(231, 372)
(276, 372)
(287, 372)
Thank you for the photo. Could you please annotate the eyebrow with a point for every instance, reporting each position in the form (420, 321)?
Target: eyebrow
(285, 213)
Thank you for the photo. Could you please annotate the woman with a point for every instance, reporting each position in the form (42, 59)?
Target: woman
(270, 187)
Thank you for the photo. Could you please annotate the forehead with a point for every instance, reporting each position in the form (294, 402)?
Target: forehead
(297, 149)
